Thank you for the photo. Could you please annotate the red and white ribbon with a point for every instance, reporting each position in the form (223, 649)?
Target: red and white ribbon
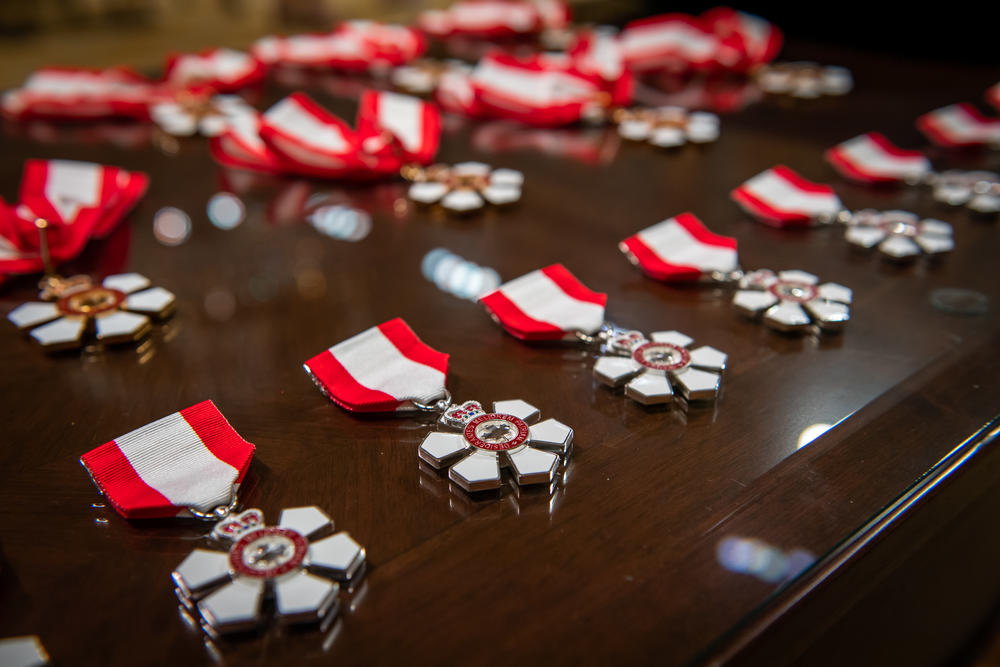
(494, 19)
(681, 249)
(79, 200)
(871, 158)
(669, 41)
(190, 459)
(546, 304)
(59, 93)
(759, 40)
(299, 136)
(223, 70)
(543, 90)
(382, 369)
(782, 198)
(354, 46)
(960, 125)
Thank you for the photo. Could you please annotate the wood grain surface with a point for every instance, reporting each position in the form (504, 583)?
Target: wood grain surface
(620, 563)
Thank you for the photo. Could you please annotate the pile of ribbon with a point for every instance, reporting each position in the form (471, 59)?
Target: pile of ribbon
(78, 201)
(76, 93)
(298, 136)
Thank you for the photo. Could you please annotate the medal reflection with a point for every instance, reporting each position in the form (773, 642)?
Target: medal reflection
(269, 564)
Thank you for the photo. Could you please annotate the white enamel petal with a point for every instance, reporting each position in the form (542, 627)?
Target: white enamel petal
(797, 276)
(829, 315)
(752, 302)
(506, 177)
(697, 385)
(462, 200)
(26, 651)
(650, 388)
(667, 137)
(471, 169)
(835, 292)
(953, 194)
(339, 555)
(836, 81)
(477, 471)
(709, 358)
(552, 434)
(985, 203)
(438, 448)
(518, 408)
(154, 301)
(213, 126)
(672, 337)
(615, 371)
(64, 332)
(932, 244)
(427, 192)
(702, 128)
(635, 130)
(533, 466)
(498, 195)
(121, 326)
(759, 278)
(936, 227)
(127, 282)
(304, 597)
(899, 247)
(178, 123)
(201, 570)
(235, 606)
(786, 316)
(304, 520)
(864, 237)
(32, 314)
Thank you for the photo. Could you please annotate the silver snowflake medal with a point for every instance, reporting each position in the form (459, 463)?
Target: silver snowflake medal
(793, 301)
(192, 113)
(662, 367)
(286, 564)
(977, 190)
(667, 127)
(464, 187)
(421, 77)
(804, 80)
(899, 235)
(479, 444)
(118, 310)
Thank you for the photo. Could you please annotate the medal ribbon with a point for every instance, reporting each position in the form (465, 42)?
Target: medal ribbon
(871, 158)
(546, 304)
(222, 70)
(681, 249)
(189, 459)
(781, 198)
(299, 136)
(354, 46)
(382, 369)
(959, 125)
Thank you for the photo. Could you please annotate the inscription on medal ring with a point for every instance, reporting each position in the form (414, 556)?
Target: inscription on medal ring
(496, 432)
(268, 552)
(662, 356)
(789, 290)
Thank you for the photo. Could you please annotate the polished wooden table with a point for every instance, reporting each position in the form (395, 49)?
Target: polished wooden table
(626, 561)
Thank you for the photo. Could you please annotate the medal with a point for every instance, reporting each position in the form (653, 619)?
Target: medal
(781, 198)
(872, 158)
(552, 304)
(804, 80)
(464, 187)
(285, 563)
(388, 369)
(191, 464)
(118, 310)
(793, 301)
